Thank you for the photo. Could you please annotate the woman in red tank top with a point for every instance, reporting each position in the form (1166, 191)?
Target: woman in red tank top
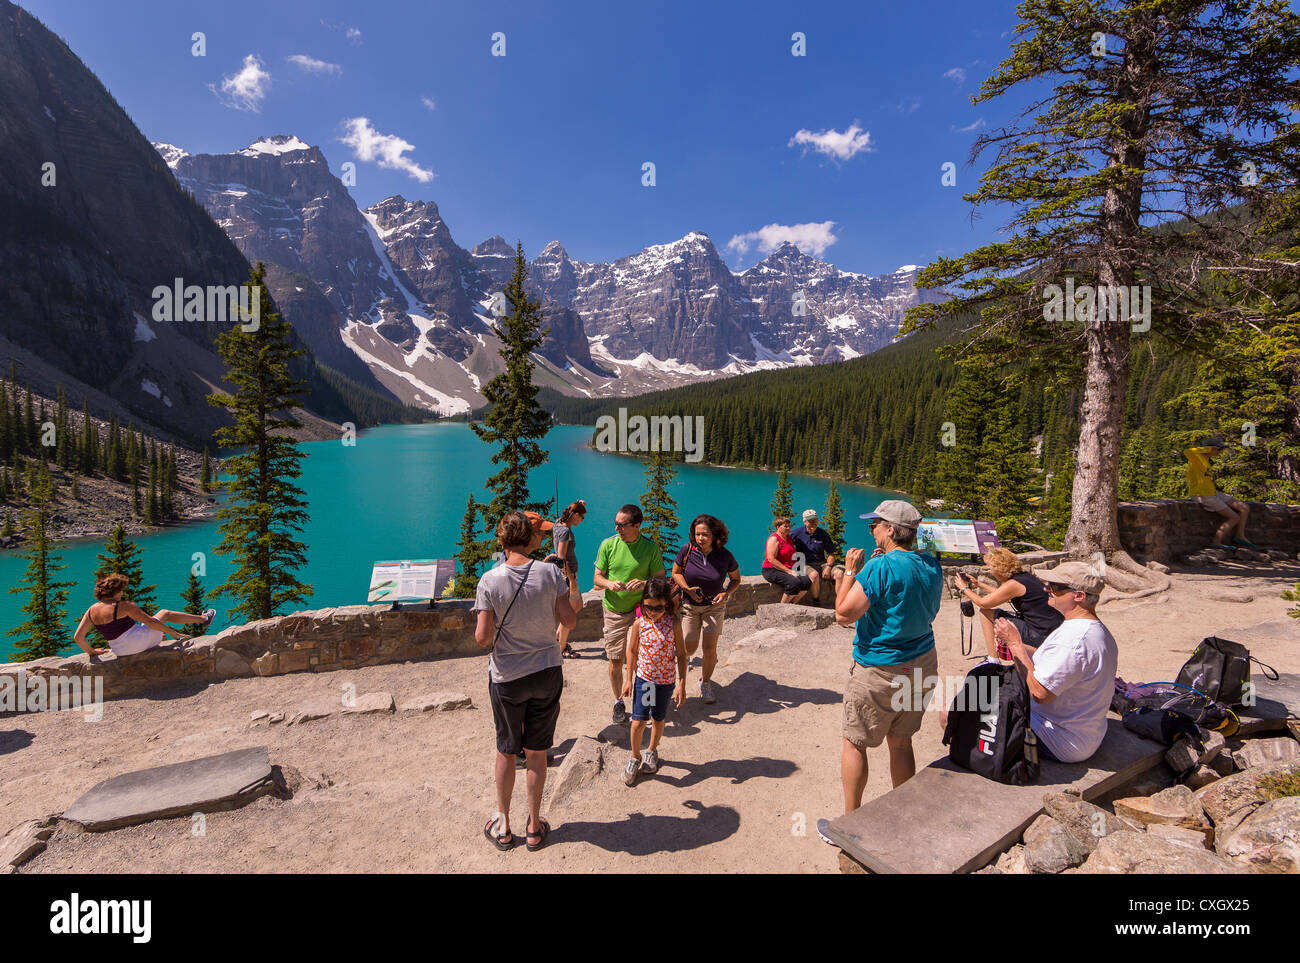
(779, 565)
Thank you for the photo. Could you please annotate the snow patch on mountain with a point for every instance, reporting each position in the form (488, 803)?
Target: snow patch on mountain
(280, 144)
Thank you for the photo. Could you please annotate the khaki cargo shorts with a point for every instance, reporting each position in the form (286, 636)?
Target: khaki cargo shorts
(873, 692)
(617, 625)
(702, 618)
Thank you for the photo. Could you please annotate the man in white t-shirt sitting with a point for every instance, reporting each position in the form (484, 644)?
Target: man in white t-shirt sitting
(1071, 676)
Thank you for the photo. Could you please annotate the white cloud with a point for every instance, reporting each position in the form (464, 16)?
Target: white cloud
(833, 143)
(354, 34)
(387, 150)
(247, 89)
(428, 102)
(811, 238)
(976, 125)
(909, 104)
(314, 66)
(956, 73)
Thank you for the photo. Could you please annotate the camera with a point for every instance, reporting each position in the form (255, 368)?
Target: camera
(968, 608)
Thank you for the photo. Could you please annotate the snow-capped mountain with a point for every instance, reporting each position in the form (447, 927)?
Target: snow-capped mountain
(387, 291)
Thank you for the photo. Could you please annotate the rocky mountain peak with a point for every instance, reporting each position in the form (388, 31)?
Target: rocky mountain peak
(495, 246)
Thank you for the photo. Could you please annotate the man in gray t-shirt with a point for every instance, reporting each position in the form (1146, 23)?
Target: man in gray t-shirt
(527, 640)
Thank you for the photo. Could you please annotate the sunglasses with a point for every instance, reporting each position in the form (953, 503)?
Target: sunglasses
(622, 525)
(646, 607)
(1057, 589)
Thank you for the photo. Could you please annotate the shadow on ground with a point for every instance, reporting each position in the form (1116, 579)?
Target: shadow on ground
(11, 740)
(642, 835)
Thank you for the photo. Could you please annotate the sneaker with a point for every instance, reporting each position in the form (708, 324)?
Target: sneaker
(651, 763)
(822, 824)
(620, 713)
(208, 616)
(630, 771)
(707, 692)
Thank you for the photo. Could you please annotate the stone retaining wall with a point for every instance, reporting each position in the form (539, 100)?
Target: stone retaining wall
(1167, 529)
(323, 640)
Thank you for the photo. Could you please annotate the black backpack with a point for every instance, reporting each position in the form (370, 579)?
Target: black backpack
(1220, 669)
(988, 726)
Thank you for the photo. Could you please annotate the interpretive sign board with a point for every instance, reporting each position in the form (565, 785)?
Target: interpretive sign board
(410, 579)
(956, 535)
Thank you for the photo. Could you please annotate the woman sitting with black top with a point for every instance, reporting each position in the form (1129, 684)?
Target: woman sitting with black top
(1033, 615)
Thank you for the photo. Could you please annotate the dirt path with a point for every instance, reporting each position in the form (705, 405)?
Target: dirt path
(410, 792)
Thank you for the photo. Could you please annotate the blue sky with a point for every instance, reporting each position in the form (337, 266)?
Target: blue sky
(751, 144)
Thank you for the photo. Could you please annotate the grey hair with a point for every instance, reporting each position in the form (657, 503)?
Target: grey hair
(903, 535)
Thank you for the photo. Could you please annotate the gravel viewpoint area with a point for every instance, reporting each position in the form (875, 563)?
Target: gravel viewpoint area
(741, 785)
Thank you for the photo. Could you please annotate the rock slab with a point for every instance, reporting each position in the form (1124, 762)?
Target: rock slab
(370, 703)
(441, 701)
(785, 615)
(1175, 806)
(24, 841)
(1150, 853)
(1087, 822)
(584, 763)
(1230, 800)
(1051, 848)
(1268, 840)
(210, 784)
(1267, 752)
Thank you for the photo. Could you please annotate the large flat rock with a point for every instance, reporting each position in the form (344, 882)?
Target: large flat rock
(1275, 702)
(949, 820)
(210, 784)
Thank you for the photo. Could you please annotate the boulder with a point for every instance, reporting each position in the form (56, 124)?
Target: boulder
(1175, 834)
(1222, 764)
(1183, 755)
(583, 764)
(1149, 853)
(440, 701)
(370, 703)
(231, 663)
(317, 707)
(1230, 800)
(1200, 776)
(768, 638)
(1013, 861)
(1051, 848)
(1268, 840)
(785, 615)
(1158, 567)
(1198, 560)
(1175, 806)
(1266, 752)
(24, 841)
(1278, 555)
(1086, 822)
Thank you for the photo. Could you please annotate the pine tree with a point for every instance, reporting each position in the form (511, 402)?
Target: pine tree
(1058, 504)
(833, 519)
(263, 507)
(123, 556)
(205, 472)
(472, 551)
(8, 525)
(44, 631)
(658, 507)
(194, 604)
(783, 499)
(515, 422)
(1125, 131)
(1005, 476)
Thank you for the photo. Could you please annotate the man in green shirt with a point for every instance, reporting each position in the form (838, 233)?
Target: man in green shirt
(624, 563)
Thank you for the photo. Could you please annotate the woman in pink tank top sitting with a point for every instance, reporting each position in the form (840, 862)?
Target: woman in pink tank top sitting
(125, 626)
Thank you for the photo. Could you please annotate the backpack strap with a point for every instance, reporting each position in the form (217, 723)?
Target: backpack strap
(1267, 669)
(501, 624)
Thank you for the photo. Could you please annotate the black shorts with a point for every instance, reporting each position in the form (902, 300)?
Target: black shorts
(790, 584)
(1028, 634)
(525, 710)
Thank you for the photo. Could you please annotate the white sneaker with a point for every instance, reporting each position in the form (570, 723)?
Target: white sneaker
(629, 773)
(650, 764)
(208, 616)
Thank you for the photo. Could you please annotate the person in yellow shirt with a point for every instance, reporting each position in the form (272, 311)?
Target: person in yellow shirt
(1200, 486)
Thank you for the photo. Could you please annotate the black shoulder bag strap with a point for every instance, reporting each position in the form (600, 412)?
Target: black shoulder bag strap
(501, 624)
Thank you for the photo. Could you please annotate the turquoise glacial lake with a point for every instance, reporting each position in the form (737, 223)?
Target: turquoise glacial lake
(400, 493)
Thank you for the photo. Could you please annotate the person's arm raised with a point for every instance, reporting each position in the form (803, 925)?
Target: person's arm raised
(851, 603)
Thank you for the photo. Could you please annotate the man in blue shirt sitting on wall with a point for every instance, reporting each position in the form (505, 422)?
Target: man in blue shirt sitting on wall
(893, 599)
(818, 551)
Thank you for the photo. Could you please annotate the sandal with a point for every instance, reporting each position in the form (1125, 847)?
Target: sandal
(540, 835)
(569, 652)
(499, 840)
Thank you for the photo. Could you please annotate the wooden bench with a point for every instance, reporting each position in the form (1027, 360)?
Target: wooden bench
(949, 820)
